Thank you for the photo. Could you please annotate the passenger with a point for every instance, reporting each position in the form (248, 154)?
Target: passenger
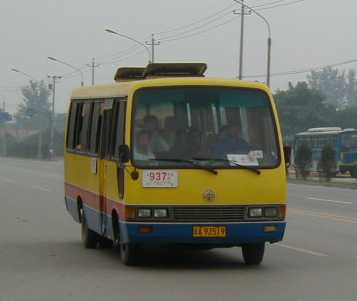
(157, 142)
(230, 142)
(169, 132)
(142, 150)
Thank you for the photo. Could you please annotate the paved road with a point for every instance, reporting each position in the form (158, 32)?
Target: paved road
(41, 257)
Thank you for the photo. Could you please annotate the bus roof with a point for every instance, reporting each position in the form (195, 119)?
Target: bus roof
(324, 131)
(122, 89)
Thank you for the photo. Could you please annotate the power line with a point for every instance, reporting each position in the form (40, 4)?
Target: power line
(193, 31)
(119, 58)
(124, 57)
(200, 32)
(178, 28)
(306, 70)
(200, 23)
(117, 53)
(268, 3)
(281, 5)
(196, 27)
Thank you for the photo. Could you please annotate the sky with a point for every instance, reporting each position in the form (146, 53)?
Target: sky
(307, 34)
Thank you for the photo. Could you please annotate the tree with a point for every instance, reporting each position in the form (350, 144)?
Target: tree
(34, 112)
(351, 88)
(303, 160)
(327, 163)
(301, 107)
(331, 84)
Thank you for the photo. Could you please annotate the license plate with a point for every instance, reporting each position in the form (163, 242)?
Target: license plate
(209, 231)
(160, 178)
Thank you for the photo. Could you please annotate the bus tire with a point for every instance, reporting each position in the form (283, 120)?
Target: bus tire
(105, 243)
(127, 254)
(253, 254)
(353, 172)
(90, 239)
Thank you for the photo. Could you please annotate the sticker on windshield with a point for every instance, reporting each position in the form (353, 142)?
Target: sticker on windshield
(242, 159)
(160, 178)
(256, 154)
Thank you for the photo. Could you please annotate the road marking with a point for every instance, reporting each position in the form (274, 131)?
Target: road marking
(40, 188)
(302, 250)
(7, 180)
(329, 201)
(334, 217)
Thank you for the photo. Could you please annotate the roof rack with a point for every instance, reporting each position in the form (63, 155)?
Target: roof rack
(325, 129)
(156, 70)
(175, 69)
(129, 73)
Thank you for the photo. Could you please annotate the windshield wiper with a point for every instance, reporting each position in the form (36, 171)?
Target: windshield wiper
(253, 169)
(192, 162)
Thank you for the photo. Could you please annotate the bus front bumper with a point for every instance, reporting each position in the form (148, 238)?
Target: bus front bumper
(182, 234)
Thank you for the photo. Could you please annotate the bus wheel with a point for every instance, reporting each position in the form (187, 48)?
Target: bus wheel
(253, 254)
(354, 172)
(127, 254)
(105, 243)
(89, 237)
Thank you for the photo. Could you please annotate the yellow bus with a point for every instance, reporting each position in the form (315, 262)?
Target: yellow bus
(166, 157)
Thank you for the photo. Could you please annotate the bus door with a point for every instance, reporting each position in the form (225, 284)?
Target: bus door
(104, 163)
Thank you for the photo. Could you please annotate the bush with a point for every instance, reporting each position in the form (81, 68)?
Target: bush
(28, 148)
(327, 164)
(303, 160)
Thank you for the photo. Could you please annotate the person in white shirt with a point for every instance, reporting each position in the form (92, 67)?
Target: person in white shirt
(157, 142)
(142, 149)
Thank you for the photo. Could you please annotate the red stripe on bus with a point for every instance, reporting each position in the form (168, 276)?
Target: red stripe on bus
(94, 200)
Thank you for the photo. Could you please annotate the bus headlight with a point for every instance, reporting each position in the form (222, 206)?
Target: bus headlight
(271, 212)
(160, 213)
(144, 212)
(255, 212)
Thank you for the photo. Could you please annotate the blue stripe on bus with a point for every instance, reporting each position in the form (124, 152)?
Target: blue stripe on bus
(237, 234)
(172, 233)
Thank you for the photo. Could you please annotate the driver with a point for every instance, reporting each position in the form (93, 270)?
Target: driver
(230, 142)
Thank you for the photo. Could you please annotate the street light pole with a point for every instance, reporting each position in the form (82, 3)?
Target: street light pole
(51, 58)
(23, 73)
(51, 150)
(269, 37)
(132, 39)
(269, 61)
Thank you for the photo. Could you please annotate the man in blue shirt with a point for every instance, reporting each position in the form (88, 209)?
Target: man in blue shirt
(230, 142)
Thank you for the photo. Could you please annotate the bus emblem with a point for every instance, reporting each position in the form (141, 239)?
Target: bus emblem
(209, 195)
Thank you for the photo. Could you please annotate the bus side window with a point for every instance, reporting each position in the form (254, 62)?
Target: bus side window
(83, 135)
(105, 151)
(95, 127)
(78, 127)
(71, 125)
(119, 126)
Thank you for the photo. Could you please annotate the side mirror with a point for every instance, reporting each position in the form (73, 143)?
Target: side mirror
(124, 153)
(287, 154)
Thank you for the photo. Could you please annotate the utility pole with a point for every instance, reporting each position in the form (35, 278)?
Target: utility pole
(153, 43)
(52, 86)
(242, 13)
(240, 76)
(93, 65)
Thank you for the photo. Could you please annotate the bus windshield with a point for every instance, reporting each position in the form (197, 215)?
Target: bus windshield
(214, 126)
(349, 140)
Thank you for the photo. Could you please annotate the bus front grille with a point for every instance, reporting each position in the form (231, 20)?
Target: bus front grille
(209, 214)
